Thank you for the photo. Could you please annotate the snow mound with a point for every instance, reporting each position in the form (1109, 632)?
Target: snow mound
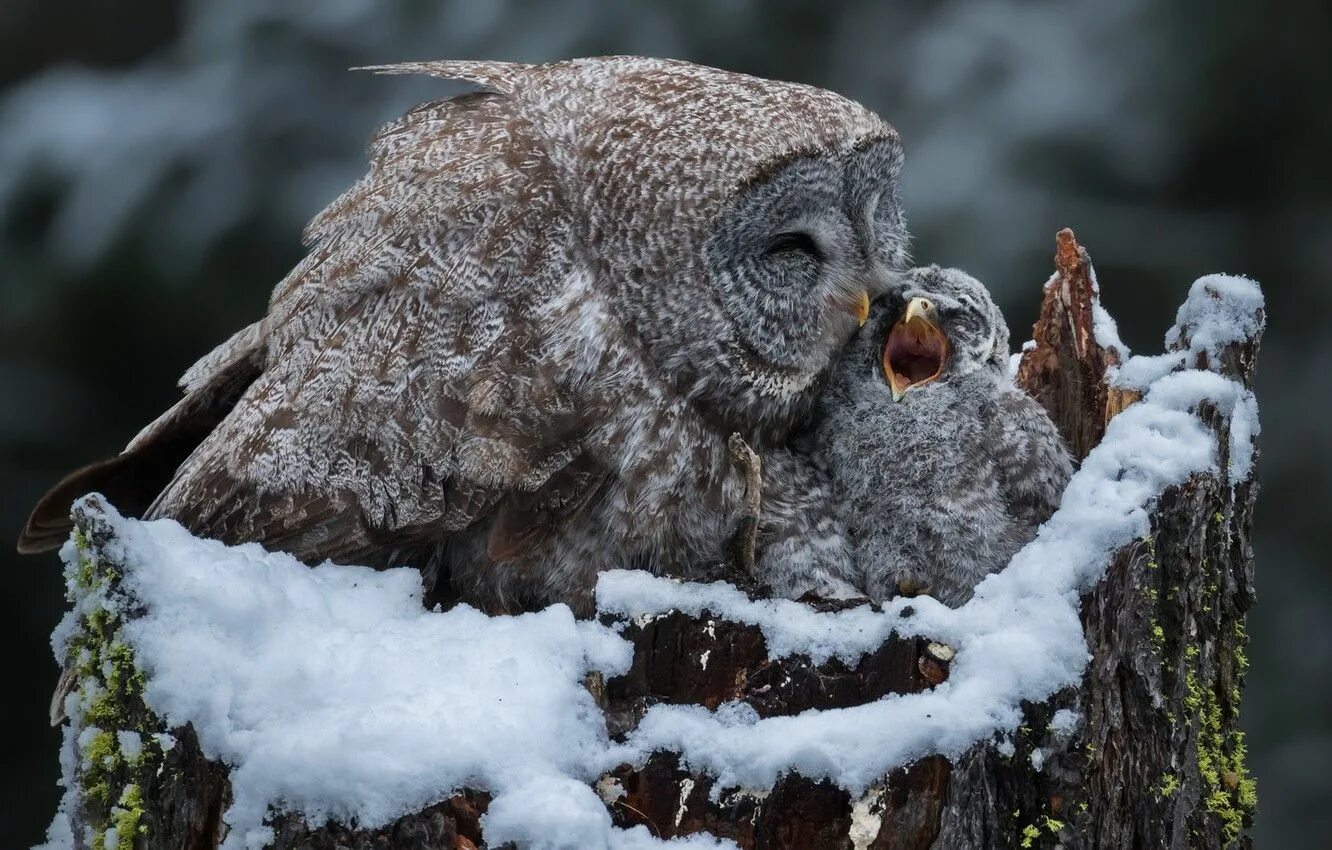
(1220, 310)
(332, 692)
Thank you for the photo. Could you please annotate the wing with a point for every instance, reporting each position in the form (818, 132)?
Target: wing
(407, 388)
(411, 382)
(1031, 460)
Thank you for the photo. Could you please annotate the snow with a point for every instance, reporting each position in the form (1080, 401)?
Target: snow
(1064, 724)
(789, 627)
(131, 744)
(1220, 310)
(1230, 399)
(554, 811)
(331, 692)
(1105, 330)
(59, 835)
(1015, 360)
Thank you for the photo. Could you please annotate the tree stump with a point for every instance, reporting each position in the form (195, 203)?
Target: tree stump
(1146, 752)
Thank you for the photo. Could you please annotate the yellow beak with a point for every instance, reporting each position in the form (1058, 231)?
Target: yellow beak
(919, 308)
(862, 307)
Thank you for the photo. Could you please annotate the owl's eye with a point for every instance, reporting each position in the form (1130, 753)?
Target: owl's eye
(794, 242)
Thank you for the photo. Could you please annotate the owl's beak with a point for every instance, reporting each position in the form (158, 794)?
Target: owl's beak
(916, 349)
(857, 304)
(862, 308)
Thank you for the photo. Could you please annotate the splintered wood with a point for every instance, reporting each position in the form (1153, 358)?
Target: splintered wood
(1066, 371)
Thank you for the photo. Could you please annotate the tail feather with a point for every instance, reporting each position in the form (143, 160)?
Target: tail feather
(124, 481)
(133, 479)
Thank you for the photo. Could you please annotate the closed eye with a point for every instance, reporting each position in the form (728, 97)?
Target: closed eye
(794, 241)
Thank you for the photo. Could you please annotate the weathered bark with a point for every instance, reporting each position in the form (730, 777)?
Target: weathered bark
(669, 667)
(1154, 759)
(1065, 371)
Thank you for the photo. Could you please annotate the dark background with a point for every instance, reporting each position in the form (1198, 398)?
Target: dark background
(158, 159)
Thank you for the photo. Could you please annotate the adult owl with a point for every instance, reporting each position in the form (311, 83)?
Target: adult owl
(517, 347)
(943, 467)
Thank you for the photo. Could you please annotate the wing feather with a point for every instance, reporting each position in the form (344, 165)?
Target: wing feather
(408, 386)
(1031, 460)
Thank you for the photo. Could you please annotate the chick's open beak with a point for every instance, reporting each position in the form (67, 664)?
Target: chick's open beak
(916, 349)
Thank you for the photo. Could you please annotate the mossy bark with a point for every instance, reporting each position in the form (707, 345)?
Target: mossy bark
(1154, 759)
(136, 782)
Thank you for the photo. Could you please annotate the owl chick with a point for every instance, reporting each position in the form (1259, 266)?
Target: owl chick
(942, 467)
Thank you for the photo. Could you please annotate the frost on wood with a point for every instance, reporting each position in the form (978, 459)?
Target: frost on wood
(1086, 696)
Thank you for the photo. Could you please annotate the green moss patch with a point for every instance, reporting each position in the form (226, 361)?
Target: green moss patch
(118, 738)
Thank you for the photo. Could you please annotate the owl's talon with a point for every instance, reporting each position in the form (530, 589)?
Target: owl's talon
(744, 539)
(912, 587)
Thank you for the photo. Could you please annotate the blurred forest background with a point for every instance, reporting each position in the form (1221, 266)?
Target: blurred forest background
(158, 160)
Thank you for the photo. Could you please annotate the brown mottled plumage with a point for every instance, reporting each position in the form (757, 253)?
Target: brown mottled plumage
(517, 346)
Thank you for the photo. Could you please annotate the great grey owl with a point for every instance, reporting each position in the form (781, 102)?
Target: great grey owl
(517, 347)
(942, 467)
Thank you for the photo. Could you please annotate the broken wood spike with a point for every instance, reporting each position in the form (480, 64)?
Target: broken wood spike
(1066, 368)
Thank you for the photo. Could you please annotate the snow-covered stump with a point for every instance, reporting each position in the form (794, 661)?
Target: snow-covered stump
(1086, 697)
(1145, 753)
(132, 778)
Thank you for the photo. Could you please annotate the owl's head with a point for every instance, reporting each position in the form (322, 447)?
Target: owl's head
(744, 225)
(937, 324)
(737, 227)
(798, 253)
